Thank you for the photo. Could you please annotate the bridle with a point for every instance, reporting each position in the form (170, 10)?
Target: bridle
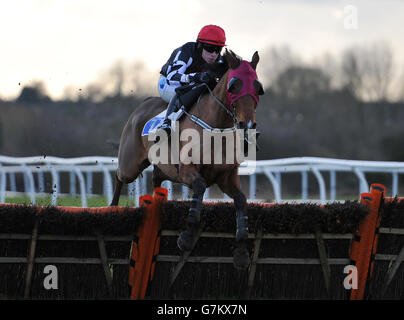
(231, 113)
(222, 105)
(205, 125)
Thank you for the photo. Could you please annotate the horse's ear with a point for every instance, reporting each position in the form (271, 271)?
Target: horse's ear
(231, 59)
(254, 60)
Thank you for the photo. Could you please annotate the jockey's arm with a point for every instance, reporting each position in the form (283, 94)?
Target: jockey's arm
(176, 67)
(177, 75)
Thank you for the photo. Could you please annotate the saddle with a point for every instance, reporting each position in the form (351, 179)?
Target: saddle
(187, 96)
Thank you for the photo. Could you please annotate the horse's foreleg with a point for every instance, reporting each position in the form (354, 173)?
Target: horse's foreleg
(117, 191)
(230, 184)
(241, 257)
(240, 202)
(158, 177)
(198, 187)
(186, 238)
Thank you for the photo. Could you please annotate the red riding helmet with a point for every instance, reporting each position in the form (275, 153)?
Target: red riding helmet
(212, 34)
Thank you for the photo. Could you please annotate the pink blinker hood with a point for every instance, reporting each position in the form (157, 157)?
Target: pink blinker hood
(248, 75)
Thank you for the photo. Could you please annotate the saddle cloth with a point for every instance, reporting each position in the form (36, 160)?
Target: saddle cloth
(154, 123)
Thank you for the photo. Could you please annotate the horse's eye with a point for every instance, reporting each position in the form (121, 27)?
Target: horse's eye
(234, 85)
(258, 87)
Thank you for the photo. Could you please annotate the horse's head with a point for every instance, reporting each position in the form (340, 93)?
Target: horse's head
(243, 89)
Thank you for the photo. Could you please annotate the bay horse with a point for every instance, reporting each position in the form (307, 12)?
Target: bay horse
(231, 104)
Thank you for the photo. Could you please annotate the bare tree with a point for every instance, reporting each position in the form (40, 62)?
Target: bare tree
(301, 82)
(95, 92)
(277, 60)
(122, 79)
(400, 87)
(117, 76)
(368, 71)
(141, 81)
(351, 73)
(34, 93)
(329, 65)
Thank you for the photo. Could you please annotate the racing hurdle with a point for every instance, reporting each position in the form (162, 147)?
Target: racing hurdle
(298, 251)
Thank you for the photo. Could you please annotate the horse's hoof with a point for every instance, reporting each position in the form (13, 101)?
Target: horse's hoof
(241, 258)
(185, 241)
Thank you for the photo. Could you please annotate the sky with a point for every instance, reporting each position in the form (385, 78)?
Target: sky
(70, 42)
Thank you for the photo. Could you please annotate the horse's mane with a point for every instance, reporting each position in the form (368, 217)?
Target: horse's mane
(232, 59)
(229, 53)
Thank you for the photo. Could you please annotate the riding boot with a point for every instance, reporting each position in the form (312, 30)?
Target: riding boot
(172, 106)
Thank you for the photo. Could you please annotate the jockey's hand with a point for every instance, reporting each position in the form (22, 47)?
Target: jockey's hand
(202, 77)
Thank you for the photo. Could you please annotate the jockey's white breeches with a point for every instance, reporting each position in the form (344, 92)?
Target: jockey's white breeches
(166, 91)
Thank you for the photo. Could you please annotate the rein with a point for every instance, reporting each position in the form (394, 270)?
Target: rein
(206, 126)
(232, 114)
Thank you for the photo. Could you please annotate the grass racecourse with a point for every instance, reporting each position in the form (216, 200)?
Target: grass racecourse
(124, 201)
(70, 201)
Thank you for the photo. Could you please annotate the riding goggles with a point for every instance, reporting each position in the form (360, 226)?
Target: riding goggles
(211, 48)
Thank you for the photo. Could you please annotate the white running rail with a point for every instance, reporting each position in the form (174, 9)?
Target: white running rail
(83, 169)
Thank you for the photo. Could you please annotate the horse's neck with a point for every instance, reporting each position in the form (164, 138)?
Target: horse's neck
(211, 112)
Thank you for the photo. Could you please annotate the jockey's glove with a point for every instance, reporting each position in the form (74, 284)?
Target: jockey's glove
(202, 77)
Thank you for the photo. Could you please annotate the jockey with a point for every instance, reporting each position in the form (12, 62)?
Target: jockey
(186, 66)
